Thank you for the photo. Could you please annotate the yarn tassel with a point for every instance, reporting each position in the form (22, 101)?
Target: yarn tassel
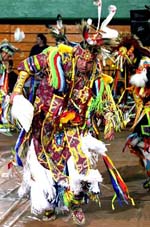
(119, 186)
(58, 78)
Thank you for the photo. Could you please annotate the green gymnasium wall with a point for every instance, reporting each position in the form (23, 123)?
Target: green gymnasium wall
(69, 9)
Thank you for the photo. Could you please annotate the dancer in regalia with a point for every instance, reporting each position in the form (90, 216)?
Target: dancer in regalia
(137, 60)
(60, 171)
(7, 50)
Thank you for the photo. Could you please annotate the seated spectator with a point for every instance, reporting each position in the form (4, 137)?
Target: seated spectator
(40, 45)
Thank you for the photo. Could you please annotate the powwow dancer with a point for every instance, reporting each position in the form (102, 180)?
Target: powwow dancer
(137, 58)
(7, 50)
(139, 141)
(60, 168)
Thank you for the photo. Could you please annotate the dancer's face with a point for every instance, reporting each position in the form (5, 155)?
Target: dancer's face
(5, 56)
(83, 65)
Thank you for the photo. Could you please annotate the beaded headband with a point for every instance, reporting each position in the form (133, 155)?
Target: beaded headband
(84, 53)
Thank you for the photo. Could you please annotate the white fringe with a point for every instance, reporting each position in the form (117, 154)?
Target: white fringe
(74, 177)
(91, 148)
(93, 177)
(39, 182)
(24, 189)
(39, 202)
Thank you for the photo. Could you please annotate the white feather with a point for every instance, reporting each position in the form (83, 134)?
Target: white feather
(98, 3)
(89, 21)
(112, 10)
(19, 35)
(22, 110)
(108, 32)
(139, 79)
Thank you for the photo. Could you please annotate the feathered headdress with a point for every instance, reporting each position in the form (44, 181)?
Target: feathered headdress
(128, 40)
(129, 50)
(7, 47)
(101, 35)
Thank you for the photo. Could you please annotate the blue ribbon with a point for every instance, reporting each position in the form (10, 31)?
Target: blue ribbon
(17, 146)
